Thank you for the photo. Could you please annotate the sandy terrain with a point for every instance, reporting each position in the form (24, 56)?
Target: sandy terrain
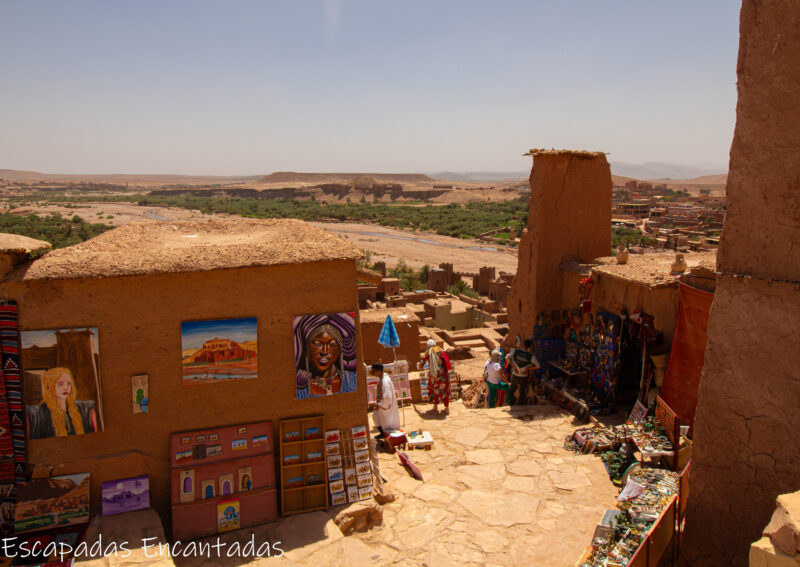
(418, 248)
(386, 244)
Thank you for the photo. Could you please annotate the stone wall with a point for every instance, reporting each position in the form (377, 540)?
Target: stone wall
(569, 219)
(748, 411)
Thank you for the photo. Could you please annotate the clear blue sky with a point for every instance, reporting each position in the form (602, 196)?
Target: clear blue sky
(236, 87)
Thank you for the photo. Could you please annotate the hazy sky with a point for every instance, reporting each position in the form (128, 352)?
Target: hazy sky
(236, 87)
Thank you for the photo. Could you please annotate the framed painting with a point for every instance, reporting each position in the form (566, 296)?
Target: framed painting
(324, 354)
(62, 382)
(219, 351)
(125, 495)
(54, 502)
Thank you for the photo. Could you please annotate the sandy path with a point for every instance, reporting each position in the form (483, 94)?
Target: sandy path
(419, 248)
(386, 244)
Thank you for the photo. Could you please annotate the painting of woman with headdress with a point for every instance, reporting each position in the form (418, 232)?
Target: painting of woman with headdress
(325, 354)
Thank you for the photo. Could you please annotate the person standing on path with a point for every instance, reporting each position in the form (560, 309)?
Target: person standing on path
(493, 374)
(523, 364)
(438, 375)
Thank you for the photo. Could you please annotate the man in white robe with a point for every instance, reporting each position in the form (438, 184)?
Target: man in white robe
(385, 415)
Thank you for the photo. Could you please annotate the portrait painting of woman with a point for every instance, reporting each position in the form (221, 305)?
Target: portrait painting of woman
(60, 414)
(325, 354)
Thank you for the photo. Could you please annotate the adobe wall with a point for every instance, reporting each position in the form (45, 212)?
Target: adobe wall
(409, 342)
(748, 410)
(569, 219)
(139, 327)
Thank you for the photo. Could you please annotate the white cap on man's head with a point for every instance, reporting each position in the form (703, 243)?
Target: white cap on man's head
(431, 343)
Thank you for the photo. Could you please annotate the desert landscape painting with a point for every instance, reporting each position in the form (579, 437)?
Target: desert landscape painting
(219, 350)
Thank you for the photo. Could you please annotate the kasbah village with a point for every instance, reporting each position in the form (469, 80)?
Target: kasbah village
(196, 387)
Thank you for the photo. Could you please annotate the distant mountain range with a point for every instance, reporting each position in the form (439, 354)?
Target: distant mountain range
(651, 170)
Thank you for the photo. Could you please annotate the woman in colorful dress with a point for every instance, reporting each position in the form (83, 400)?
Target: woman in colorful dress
(438, 375)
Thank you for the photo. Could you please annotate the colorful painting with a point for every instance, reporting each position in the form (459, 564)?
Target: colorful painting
(361, 456)
(295, 482)
(325, 354)
(335, 474)
(359, 432)
(245, 479)
(228, 515)
(291, 459)
(125, 495)
(360, 444)
(213, 450)
(291, 436)
(334, 461)
(332, 449)
(221, 350)
(62, 382)
(207, 489)
(238, 444)
(186, 486)
(365, 493)
(336, 486)
(338, 498)
(362, 468)
(225, 484)
(52, 502)
(213, 436)
(352, 493)
(314, 456)
(183, 456)
(141, 394)
(260, 440)
(350, 476)
(312, 433)
(332, 436)
(364, 480)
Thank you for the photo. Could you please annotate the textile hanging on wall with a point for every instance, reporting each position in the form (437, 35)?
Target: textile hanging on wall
(682, 377)
(9, 347)
(606, 329)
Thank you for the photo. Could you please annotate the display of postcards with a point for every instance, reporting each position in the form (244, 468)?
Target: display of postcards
(291, 459)
(336, 486)
(352, 493)
(186, 440)
(364, 493)
(338, 498)
(363, 468)
(290, 436)
(125, 495)
(199, 452)
(313, 433)
(200, 439)
(364, 480)
(260, 440)
(332, 436)
(349, 476)
(361, 456)
(313, 479)
(239, 444)
(314, 456)
(213, 450)
(359, 432)
(334, 461)
(332, 449)
(295, 481)
(213, 437)
(360, 444)
(183, 456)
(335, 474)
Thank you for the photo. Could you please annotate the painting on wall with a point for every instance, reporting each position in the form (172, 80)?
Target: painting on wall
(125, 495)
(54, 502)
(228, 515)
(218, 351)
(325, 354)
(62, 382)
(141, 393)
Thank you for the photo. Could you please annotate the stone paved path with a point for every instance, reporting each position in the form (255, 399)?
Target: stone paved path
(499, 490)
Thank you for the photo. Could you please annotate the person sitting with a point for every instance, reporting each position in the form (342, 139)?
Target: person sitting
(386, 415)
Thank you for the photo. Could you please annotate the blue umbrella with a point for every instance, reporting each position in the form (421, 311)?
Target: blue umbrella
(388, 336)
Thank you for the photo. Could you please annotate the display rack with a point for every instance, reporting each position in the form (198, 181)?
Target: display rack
(304, 470)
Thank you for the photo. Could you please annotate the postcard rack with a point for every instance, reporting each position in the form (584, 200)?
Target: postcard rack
(304, 470)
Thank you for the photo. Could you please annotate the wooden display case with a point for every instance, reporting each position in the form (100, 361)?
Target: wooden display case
(304, 470)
